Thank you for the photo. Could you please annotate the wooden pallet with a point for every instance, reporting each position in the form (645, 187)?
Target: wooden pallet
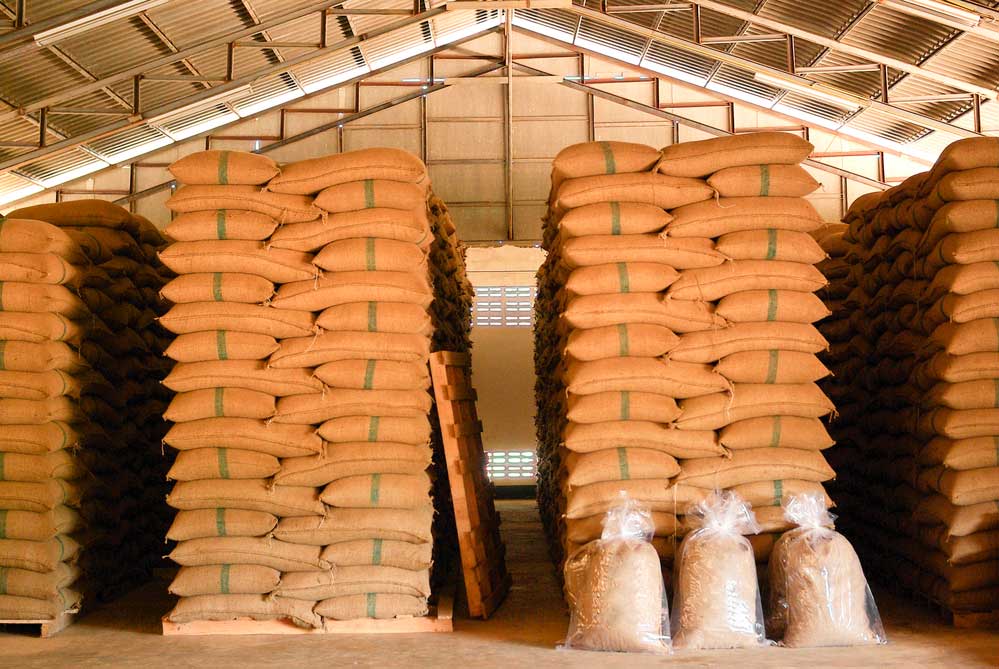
(438, 620)
(483, 554)
(47, 628)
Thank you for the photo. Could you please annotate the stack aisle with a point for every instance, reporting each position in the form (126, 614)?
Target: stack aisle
(80, 404)
(675, 351)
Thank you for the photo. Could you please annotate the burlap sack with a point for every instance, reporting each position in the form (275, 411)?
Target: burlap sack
(587, 438)
(42, 556)
(218, 402)
(220, 345)
(225, 579)
(40, 496)
(595, 158)
(785, 306)
(248, 494)
(38, 412)
(646, 375)
(964, 248)
(708, 156)
(340, 525)
(353, 459)
(410, 227)
(964, 154)
(218, 287)
(247, 374)
(598, 498)
(31, 609)
(374, 374)
(315, 408)
(312, 176)
(371, 254)
(712, 345)
(966, 216)
(714, 283)
(398, 429)
(38, 439)
(376, 317)
(635, 339)
(371, 194)
(583, 530)
(253, 318)
(963, 488)
(78, 213)
(602, 249)
(222, 463)
(974, 548)
(665, 192)
(224, 167)
(621, 278)
(384, 491)
(959, 454)
(963, 280)
(220, 522)
(770, 494)
(38, 268)
(981, 183)
(337, 288)
(199, 226)
(623, 405)
(22, 583)
(346, 581)
(335, 345)
(594, 311)
(978, 394)
(756, 464)
(976, 336)
(963, 308)
(384, 552)
(619, 464)
(957, 368)
(282, 441)
(771, 366)
(613, 218)
(763, 180)
(55, 465)
(714, 218)
(283, 208)
(372, 605)
(236, 607)
(242, 257)
(26, 235)
(770, 244)
(792, 432)
(39, 385)
(41, 298)
(713, 412)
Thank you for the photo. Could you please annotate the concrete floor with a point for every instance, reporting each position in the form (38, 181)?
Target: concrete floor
(524, 632)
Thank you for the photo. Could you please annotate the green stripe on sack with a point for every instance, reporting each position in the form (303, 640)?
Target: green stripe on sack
(372, 317)
(764, 180)
(778, 492)
(610, 167)
(223, 458)
(369, 374)
(376, 482)
(3, 474)
(376, 551)
(3, 580)
(772, 366)
(220, 224)
(373, 428)
(625, 405)
(772, 304)
(224, 579)
(3, 351)
(775, 433)
(217, 286)
(3, 523)
(369, 193)
(219, 402)
(623, 280)
(371, 597)
(622, 339)
(220, 522)
(615, 218)
(220, 346)
(771, 243)
(622, 464)
(369, 254)
(224, 168)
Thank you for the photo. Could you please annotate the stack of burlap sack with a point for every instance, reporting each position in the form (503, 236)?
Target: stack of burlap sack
(675, 350)
(309, 388)
(923, 272)
(80, 484)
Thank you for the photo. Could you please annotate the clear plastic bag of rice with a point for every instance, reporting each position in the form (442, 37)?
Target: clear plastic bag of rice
(716, 597)
(818, 593)
(614, 586)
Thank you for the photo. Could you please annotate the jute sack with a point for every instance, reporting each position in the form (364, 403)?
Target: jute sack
(665, 192)
(372, 605)
(38, 268)
(619, 464)
(331, 346)
(243, 257)
(714, 283)
(621, 278)
(246, 374)
(977, 547)
(588, 159)
(965, 248)
(978, 394)
(960, 454)
(960, 521)
(981, 183)
(602, 249)
(353, 459)
(40, 298)
(771, 519)
(248, 494)
(645, 375)
(55, 465)
(713, 345)
(396, 317)
(624, 405)
(38, 412)
(584, 530)
(282, 441)
(337, 288)
(374, 374)
(771, 494)
(218, 287)
(963, 280)
(750, 400)
(587, 438)
(220, 522)
(634, 339)
(964, 154)
(36, 585)
(756, 464)
(398, 429)
(222, 463)
(231, 316)
(221, 345)
(958, 368)
(39, 385)
(283, 208)
(977, 336)
(216, 402)
(199, 226)
(32, 609)
(962, 487)
(312, 176)
(966, 216)
(371, 254)
(79, 213)
(385, 552)
(382, 491)
(235, 607)
(32, 526)
(315, 408)
(40, 556)
(372, 194)
(763, 181)
(593, 311)
(225, 579)
(38, 497)
(410, 227)
(358, 580)
(224, 167)
(792, 432)
(25, 235)
(107, 244)
(613, 218)
(786, 306)
(770, 244)
(772, 366)
(409, 526)
(963, 308)
(708, 156)
(597, 498)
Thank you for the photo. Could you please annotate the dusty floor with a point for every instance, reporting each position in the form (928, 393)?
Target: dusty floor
(523, 633)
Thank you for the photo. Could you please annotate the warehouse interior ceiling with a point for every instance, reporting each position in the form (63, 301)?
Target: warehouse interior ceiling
(85, 86)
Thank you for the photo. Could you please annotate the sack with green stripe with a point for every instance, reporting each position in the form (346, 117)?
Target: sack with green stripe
(588, 159)
(218, 287)
(379, 491)
(623, 405)
(39, 496)
(337, 345)
(785, 306)
(316, 408)
(247, 374)
(248, 494)
(712, 345)
(224, 167)
(336, 288)
(756, 464)
(220, 522)
(589, 437)
(620, 278)
(281, 207)
(646, 375)
(40, 556)
(753, 400)
(776, 432)
(356, 580)
(642, 340)
(40, 385)
(371, 194)
(210, 345)
(345, 525)
(763, 181)
(371, 253)
(374, 374)
(598, 498)
(241, 257)
(772, 366)
(714, 283)
(715, 218)
(196, 226)
(315, 174)
(222, 463)
(771, 244)
(660, 190)
(409, 227)
(39, 585)
(254, 607)
(708, 156)
(777, 492)
(282, 441)
(339, 461)
(602, 249)
(385, 552)
(217, 402)
(372, 605)
(33, 526)
(265, 551)
(584, 530)
(225, 579)
(376, 317)
(619, 464)
(31, 609)
(398, 429)
(613, 218)
(47, 268)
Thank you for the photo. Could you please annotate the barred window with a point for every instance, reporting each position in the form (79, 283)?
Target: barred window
(511, 466)
(504, 306)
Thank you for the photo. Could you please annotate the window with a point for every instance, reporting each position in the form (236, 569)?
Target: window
(504, 306)
(511, 466)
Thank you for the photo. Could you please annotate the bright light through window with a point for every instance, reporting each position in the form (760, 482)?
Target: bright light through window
(504, 306)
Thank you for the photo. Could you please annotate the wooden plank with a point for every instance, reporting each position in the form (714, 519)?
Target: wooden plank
(48, 627)
(465, 429)
(459, 394)
(449, 358)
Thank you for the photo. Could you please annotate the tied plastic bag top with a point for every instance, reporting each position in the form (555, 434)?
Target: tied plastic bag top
(716, 600)
(614, 587)
(818, 593)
